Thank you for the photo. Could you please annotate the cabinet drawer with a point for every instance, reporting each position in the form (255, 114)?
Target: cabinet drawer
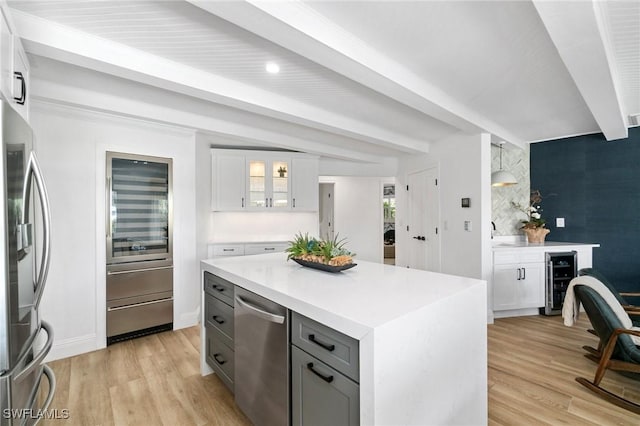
(228, 250)
(320, 395)
(220, 316)
(504, 257)
(265, 248)
(328, 345)
(219, 288)
(220, 357)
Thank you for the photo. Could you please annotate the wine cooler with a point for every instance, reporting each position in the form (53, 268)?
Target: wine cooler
(562, 267)
(139, 245)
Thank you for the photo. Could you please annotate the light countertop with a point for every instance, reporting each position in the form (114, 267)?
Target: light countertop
(354, 302)
(510, 245)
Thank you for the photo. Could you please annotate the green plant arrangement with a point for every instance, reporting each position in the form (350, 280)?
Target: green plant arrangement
(328, 252)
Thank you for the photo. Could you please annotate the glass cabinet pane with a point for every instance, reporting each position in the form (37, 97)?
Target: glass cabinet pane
(257, 184)
(139, 207)
(280, 184)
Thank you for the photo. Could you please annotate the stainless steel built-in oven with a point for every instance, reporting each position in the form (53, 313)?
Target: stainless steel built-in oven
(139, 245)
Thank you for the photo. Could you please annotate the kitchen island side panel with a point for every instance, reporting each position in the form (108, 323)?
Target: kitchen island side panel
(430, 366)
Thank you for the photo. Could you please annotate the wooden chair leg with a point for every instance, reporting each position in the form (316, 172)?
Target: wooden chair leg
(594, 352)
(610, 397)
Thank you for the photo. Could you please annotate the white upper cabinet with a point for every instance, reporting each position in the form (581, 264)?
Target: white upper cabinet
(20, 86)
(263, 181)
(227, 181)
(14, 67)
(304, 184)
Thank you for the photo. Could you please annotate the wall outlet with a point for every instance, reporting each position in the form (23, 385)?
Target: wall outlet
(467, 225)
(560, 222)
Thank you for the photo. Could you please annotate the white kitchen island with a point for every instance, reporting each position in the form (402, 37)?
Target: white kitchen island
(422, 335)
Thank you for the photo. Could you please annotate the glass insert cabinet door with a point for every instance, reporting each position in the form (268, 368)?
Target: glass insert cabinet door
(268, 184)
(279, 185)
(139, 208)
(258, 184)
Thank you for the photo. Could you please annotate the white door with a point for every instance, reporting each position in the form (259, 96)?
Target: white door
(424, 218)
(326, 211)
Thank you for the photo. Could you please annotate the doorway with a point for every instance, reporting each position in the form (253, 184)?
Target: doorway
(326, 211)
(389, 223)
(424, 219)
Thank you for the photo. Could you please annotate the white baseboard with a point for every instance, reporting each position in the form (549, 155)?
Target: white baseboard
(187, 320)
(71, 347)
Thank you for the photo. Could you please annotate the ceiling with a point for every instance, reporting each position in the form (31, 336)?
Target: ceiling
(364, 79)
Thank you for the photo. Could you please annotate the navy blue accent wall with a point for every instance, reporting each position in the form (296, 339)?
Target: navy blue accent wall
(595, 186)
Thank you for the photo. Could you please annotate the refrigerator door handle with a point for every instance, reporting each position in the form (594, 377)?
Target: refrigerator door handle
(37, 360)
(34, 171)
(51, 377)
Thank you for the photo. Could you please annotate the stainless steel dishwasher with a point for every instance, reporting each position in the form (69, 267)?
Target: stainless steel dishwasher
(261, 358)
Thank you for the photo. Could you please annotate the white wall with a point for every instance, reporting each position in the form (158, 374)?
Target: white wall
(358, 214)
(464, 170)
(71, 145)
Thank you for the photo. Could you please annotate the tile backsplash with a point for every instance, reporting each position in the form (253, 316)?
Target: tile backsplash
(515, 161)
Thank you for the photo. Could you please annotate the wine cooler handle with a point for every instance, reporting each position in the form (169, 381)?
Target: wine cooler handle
(109, 205)
(34, 171)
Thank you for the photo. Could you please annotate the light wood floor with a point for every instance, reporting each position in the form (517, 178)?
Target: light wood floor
(155, 380)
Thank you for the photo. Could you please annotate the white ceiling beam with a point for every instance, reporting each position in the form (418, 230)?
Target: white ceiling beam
(166, 113)
(578, 32)
(59, 42)
(299, 28)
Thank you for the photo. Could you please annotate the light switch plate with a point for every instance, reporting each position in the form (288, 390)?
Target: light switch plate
(560, 222)
(467, 225)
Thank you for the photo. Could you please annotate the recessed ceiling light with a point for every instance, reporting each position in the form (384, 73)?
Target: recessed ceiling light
(272, 68)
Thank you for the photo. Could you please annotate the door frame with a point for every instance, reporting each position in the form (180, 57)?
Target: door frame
(437, 264)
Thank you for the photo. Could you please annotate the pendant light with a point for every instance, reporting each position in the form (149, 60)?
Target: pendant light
(502, 177)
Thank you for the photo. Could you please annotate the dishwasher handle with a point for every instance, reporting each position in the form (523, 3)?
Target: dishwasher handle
(254, 310)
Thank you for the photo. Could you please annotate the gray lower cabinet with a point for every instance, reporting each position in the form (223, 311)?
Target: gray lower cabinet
(324, 375)
(219, 327)
(320, 395)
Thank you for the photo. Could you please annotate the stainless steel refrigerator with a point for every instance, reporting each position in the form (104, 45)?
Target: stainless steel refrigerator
(25, 250)
(139, 245)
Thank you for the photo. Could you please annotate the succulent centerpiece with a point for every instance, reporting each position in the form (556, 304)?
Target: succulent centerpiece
(330, 252)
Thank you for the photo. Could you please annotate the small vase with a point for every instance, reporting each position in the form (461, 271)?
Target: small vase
(536, 235)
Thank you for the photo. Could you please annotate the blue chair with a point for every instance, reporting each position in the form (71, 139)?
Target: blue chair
(632, 310)
(619, 352)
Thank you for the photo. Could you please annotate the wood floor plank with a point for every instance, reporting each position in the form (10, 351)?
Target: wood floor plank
(532, 365)
(131, 403)
(533, 362)
(89, 398)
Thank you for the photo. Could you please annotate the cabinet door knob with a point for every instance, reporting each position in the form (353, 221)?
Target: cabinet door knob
(219, 361)
(330, 348)
(23, 88)
(327, 379)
